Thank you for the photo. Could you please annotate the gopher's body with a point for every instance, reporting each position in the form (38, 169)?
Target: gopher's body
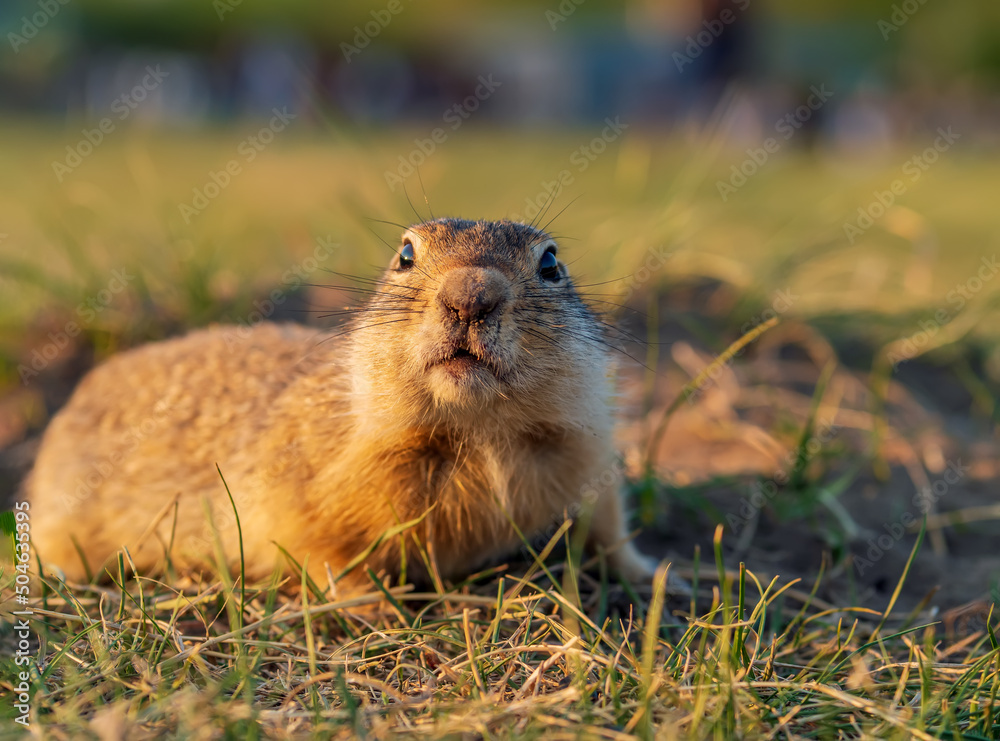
(447, 400)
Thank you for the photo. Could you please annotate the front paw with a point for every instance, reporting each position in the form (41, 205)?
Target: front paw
(632, 565)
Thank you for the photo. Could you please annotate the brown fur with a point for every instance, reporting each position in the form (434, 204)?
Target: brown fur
(328, 439)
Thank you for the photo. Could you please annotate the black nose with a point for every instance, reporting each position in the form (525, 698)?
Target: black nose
(472, 296)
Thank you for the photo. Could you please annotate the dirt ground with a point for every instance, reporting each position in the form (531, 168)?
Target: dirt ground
(736, 437)
(941, 456)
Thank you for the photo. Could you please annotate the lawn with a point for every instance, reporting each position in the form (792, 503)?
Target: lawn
(872, 366)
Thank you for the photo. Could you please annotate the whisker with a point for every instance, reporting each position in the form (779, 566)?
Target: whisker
(368, 292)
(368, 310)
(352, 309)
(392, 249)
(623, 332)
(362, 279)
(601, 342)
(424, 191)
(412, 207)
(620, 306)
(404, 227)
(396, 249)
(546, 227)
(541, 214)
(535, 333)
(415, 228)
(355, 328)
(337, 287)
(603, 282)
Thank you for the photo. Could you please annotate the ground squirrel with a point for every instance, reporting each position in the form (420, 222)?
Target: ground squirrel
(472, 391)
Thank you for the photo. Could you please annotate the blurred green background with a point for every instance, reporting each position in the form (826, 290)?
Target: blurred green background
(706, 165)
(486, 109)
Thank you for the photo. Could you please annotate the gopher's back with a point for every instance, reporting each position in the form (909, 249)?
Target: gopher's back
(147, 428)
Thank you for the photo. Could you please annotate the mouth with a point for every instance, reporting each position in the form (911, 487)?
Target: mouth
(463, 373)
(461, 362)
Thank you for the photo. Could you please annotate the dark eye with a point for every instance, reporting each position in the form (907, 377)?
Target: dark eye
(406, 256)
(548, 268)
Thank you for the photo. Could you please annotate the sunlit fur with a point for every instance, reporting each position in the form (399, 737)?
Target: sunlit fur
(328, 439)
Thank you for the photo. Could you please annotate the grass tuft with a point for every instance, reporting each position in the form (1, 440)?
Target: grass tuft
(502, 658)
